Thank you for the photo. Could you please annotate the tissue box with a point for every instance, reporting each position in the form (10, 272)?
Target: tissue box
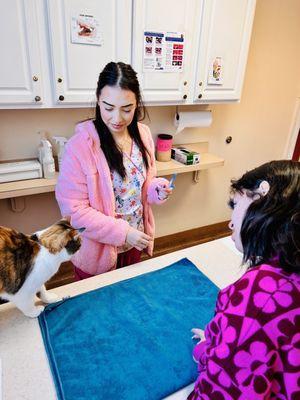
(20, 170)
(185, 156)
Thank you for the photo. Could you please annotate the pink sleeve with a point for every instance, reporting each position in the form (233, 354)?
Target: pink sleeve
(73, 199)
(152, 192)
(199, 354)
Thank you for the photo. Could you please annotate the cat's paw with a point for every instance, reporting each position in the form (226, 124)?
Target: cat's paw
(35, 312)
(50, 298)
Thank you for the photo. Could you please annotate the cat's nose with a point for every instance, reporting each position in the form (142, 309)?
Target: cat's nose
(80, 230)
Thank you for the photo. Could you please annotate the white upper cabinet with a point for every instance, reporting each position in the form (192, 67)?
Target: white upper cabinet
(76, 66)
(20, 66)
(168, 18)
(216, 41)
(185, 51)
(223, 42)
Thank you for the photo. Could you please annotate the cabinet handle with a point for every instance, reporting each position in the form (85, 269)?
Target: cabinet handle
(199, 96)
(35, 78)
(185, 97)
(37, 98)
(59, 80)
(61, 98)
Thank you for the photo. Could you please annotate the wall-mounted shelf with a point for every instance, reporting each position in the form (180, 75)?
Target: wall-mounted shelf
(36, 186)
(27, 187)
(207, 161)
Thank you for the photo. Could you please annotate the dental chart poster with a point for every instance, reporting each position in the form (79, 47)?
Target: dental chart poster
(163, 51)
(85, 29)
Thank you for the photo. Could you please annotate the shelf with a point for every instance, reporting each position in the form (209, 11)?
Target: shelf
(27, 187)
(207, 161)
(36, 186)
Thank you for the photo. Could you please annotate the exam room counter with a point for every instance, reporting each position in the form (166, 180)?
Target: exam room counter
(25, 370)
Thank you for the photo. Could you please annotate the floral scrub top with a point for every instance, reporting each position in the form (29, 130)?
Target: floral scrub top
(128, 192)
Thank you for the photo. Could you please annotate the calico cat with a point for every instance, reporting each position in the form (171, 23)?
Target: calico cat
(27, 262)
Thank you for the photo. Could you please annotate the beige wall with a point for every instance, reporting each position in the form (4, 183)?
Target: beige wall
(259, 124)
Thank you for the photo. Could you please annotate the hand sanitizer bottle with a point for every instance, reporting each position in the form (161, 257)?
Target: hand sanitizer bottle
(47, 159)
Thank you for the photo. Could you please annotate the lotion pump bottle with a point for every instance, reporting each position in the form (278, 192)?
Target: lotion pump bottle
(47, 159)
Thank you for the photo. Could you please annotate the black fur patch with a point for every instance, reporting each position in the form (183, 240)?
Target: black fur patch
(34, 238)
(72, 246)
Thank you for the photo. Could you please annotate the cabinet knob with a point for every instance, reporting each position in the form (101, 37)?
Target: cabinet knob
(199, 96)
(200, 83)
(61, 98)
(185, 83)
(37, 98)
(59, 80)
(185, 97)
(35, 78)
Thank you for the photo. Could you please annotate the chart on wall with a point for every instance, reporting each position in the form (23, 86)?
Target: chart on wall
(163, 51)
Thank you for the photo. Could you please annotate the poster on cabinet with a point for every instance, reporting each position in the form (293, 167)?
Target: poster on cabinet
(215, 72)
(163, 51)
(85, 29)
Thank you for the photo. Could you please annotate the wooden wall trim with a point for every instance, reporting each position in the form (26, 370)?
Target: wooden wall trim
(182, 240)
(162, 245)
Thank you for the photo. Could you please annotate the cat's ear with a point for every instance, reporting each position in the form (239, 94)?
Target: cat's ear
(80, 230)
(67, 218)
(34, 237)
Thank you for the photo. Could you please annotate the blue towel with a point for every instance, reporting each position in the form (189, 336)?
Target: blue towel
(130, 340)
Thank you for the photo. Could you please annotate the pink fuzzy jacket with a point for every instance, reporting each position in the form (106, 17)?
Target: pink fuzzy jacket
(84, 192)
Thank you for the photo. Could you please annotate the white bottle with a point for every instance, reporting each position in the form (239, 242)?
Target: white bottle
(47, 159)
(61, 141)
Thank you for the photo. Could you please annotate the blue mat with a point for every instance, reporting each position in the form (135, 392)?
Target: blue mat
(130, 340)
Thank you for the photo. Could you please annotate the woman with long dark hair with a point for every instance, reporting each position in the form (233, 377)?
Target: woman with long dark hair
(251, 348)
(107, 179)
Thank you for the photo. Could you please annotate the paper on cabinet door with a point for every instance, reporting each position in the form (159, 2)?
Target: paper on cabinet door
(163, 51)
(85, 29)
(215, 73)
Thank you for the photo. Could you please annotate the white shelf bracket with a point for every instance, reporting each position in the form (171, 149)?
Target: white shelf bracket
(196, 177)
(18, 204)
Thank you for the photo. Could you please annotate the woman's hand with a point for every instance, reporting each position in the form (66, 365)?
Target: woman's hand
(138, 239)
(163, 192)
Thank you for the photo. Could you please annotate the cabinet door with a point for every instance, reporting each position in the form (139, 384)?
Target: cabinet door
(76, 66)
(223, 48)
(158, 17)
(20, 66)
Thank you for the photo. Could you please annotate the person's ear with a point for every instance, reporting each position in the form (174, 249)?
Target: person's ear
(263, 188)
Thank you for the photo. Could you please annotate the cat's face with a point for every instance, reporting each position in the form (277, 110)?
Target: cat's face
(59, 236)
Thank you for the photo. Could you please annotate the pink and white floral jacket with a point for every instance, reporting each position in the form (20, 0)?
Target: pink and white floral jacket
(84, 192)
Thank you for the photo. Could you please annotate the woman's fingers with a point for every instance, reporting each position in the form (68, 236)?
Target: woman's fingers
(138, 239)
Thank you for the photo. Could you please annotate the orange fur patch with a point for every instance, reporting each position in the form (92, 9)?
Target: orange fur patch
(56, 237)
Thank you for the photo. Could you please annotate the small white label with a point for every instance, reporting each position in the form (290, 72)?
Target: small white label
(51, 167)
